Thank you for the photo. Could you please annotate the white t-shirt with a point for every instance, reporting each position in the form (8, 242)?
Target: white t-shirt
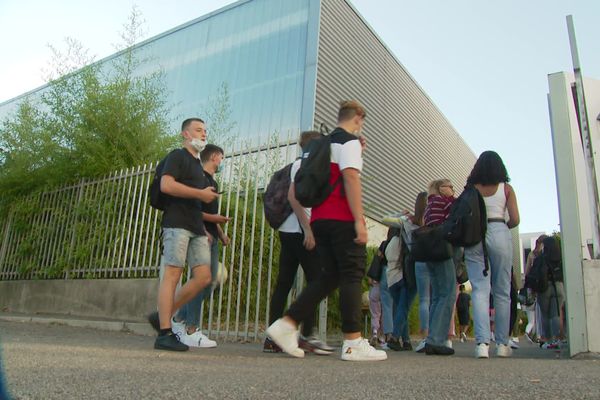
(291, 224)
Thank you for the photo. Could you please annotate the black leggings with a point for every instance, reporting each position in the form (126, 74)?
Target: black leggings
(293, 253)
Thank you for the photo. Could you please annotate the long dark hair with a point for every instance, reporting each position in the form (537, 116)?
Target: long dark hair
(420, 206)
(488, 170)
(551, 251)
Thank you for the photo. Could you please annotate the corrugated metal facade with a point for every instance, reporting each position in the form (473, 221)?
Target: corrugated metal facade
(410, 142)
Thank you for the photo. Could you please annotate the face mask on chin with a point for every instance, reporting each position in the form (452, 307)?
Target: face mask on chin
(198, 144)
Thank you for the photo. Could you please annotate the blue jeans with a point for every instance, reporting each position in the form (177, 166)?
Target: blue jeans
(403, 298)
(424, 289)
(387, 303)
(499, 245)
(551, 301)
(190, 312)
(443, 296)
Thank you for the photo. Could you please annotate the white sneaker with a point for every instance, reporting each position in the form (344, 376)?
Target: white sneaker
(463, 337)
(197, 339)
(286, 337)
(513, 344)
(205, 341)
(482, 351)
(503, 350)
(178, 328)
(421, 346)
(361, 350)
(448, 343)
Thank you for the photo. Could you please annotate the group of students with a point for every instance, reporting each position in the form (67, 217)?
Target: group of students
(329, 242)
(436, 281)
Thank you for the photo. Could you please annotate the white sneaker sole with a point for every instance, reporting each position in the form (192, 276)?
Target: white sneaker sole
(354, 358)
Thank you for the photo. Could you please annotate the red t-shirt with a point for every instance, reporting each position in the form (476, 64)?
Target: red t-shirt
(346, 152)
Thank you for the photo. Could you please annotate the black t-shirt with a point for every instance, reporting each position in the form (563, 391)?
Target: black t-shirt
(211, 208)
(463, 301)
(179, 212)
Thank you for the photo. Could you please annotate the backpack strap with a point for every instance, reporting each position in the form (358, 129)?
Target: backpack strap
(486, 262)
(483, 221)
(339, 180)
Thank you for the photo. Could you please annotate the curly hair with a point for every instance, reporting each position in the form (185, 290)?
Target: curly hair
(489, 169)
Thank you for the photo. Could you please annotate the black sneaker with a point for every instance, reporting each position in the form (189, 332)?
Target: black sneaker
(314, 345)
(394, 344)
(170, 342)
(154, 321)
(407, 346)
(431, 349)
(271, 347)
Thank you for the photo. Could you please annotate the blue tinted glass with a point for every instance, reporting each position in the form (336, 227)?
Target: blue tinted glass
(257, 48)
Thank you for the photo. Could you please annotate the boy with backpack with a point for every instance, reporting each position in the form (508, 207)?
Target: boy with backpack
(187, 320)
(297, 247)
(184, 186)
(340, 232)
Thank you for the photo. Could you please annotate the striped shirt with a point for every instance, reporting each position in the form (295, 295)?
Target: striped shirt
(438, 208)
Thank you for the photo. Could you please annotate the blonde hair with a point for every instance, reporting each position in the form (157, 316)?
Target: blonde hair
(434, 186)
(349, 109)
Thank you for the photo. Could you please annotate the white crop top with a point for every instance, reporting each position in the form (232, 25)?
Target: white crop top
(496, 204)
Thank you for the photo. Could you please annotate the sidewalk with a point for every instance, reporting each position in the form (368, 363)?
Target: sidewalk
(55, 361)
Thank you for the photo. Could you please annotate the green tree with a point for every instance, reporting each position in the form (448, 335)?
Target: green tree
(90, 120)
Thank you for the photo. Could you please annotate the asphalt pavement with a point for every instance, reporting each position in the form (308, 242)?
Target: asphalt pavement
(55, 361)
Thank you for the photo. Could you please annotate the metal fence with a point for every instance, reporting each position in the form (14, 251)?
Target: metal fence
(105, 228)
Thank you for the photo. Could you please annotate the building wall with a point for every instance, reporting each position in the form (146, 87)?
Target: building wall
(410, 142)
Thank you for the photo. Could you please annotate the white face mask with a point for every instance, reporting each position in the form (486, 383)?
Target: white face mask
(198, 144)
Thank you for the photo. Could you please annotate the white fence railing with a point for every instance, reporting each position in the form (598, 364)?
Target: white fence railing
(105, 228)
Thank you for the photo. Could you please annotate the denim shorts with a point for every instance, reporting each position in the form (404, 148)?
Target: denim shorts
(181, 245)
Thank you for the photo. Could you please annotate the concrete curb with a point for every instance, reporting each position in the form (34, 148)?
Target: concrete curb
(137, 328)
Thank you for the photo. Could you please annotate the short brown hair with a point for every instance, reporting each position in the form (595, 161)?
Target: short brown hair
(306, 137)
(185, 124)
(349, 109)
(208, 151)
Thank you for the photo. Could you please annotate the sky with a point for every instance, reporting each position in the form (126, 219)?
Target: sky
(483, 63)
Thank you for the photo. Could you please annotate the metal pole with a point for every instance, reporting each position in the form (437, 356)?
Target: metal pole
(586, 140)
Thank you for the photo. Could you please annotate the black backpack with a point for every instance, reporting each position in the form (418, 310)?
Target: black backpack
(158, 199)
(275, 202)
(553, 257)
(312, 179)
(467, 222)
(537, 277)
